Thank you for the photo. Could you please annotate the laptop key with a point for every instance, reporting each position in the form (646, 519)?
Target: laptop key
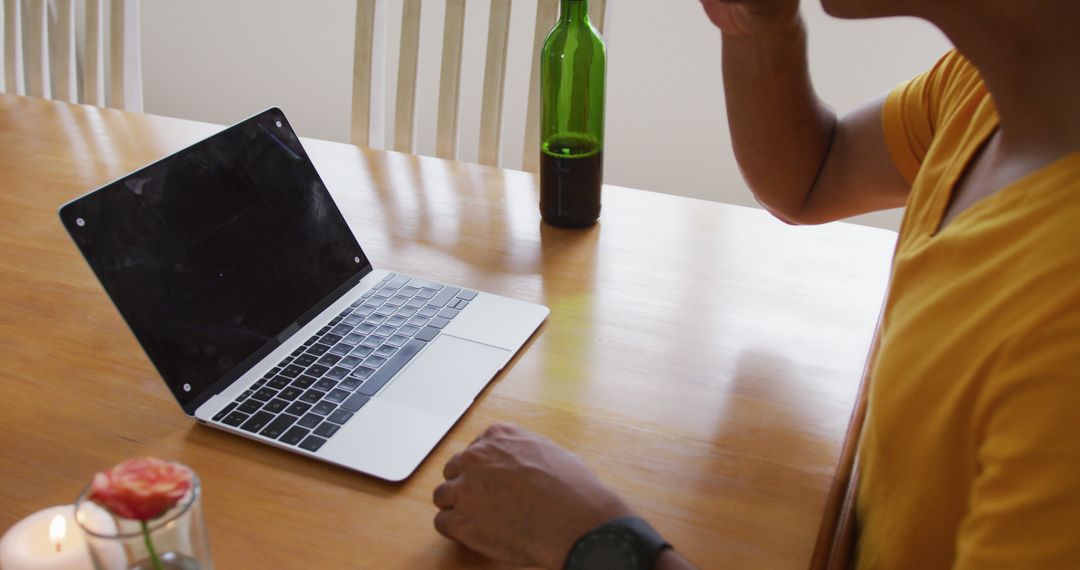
(362, 373)
(336, 373)
(428, 312)
(405, 313)
(298, 408)
(386, 350)
(467, 294)
(341, 330)
(339, 417)
(276, 405)
(294, 435)
(330, 359)
(408, 290)
(323, 408)
(325, 384)
(439, 322)
(425, 284)
(355, 402)
(234, 419)
(395, 341)
(349, 384)
(332, 338)
(310, 420)
(250, 406)
(278, 382)
(418, 321)
(292, 371)
(448, 313)
(305, 359)
(224, 412)
(312, 396)
(278, 426)
(336, 396)
(340, 349)
(397, 282)
(426, 293)
(361, 351)
(317, 370)
(414, 303)
(442, 297)
(327, 429)
(297, 352)
(353, 339)
(365, 328)
(264, 394)
(290, 393)
(257, 422)
(312, 443)
(385, 330)
(409, 330)
(392, 366)
(304, 381)
(374, 361)
(427, 334)
(318, 349)
(396, 321)
(350, 362)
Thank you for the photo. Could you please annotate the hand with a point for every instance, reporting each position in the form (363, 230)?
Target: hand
(519, 498)
(751, 17)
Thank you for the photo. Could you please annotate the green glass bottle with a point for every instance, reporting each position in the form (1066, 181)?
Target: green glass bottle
(572, 72)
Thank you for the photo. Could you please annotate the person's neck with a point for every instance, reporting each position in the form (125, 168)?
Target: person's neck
(1028, 55)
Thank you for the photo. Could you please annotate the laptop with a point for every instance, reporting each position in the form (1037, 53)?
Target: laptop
(245, 286)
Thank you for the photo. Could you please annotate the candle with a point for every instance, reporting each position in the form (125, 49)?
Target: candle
(46, 540)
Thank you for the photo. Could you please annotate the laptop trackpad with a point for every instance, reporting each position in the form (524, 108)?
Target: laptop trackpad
(446, 377)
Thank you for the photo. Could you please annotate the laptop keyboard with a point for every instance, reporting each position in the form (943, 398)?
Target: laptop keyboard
(309, 395)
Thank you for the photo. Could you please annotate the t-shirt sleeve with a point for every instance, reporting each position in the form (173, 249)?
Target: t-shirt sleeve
(912, 112)
(1024, 507)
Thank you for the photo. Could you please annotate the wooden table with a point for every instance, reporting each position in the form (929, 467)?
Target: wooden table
(702, 358)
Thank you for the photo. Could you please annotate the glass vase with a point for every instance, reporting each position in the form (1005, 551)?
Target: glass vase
(175, 540)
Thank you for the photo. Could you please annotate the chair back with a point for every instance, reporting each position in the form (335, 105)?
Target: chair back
(450, 77)
(80, 51)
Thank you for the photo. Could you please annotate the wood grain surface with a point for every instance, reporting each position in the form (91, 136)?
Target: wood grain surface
(703, 358)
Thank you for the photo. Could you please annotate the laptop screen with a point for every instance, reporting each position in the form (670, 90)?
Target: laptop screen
(211, 253)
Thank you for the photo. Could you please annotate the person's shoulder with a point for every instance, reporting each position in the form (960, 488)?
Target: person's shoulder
(955, 81)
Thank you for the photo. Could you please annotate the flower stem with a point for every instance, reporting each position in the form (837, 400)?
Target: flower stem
(150, 546)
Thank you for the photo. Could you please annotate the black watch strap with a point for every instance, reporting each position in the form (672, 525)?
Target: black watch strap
(624, 543)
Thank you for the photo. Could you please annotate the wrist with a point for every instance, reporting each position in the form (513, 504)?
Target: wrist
(624, 543)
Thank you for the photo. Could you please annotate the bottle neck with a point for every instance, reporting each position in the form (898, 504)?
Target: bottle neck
(574, 11)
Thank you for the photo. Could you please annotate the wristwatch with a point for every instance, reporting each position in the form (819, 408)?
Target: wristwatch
(626, 543)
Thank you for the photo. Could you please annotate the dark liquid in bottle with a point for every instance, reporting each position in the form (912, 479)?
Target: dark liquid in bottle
(571, 172)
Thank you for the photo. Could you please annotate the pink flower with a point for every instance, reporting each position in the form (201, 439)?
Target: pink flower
(141, 489)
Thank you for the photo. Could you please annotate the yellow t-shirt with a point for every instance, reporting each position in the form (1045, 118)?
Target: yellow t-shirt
(970, 456)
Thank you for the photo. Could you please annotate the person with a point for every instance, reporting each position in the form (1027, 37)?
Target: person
(968, 457)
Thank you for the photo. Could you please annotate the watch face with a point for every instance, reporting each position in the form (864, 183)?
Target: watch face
(605, 550)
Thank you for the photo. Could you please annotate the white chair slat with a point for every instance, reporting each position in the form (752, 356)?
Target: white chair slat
(408, 57)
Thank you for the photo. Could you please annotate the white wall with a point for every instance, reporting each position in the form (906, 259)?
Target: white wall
(221, 61)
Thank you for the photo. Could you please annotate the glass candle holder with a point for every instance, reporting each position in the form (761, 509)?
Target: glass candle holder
(174, 540)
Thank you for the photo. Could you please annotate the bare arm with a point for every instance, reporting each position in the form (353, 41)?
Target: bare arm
(802, 163)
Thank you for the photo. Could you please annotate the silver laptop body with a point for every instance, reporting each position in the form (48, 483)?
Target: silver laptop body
(245, 286)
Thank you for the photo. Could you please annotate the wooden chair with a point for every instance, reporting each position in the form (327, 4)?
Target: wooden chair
(494, 77)
(835, 545)
(55, 49)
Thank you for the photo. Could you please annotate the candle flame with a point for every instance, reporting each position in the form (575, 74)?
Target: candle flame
(57, 530)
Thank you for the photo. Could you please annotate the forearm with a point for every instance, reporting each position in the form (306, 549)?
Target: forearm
(780, 130)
